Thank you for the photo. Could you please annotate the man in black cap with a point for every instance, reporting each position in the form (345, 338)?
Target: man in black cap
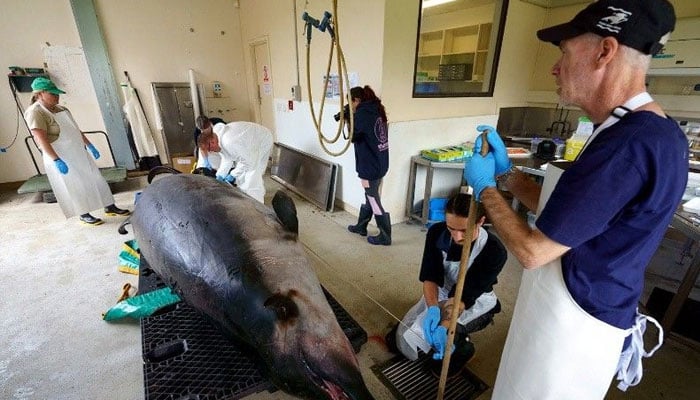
(575, 322)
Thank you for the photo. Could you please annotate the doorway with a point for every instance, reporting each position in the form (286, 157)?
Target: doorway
(263, 103)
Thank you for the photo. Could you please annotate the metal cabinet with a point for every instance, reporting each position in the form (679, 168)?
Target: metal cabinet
(177, 113)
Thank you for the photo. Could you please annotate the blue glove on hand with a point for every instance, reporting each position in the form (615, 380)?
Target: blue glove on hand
(93, 150)
(228, 178)
(430, 323)
(440, 342)
(496, 146)
(61, 166)
(479, 172)
(207, 164)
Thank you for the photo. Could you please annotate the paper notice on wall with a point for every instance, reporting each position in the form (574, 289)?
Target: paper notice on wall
(267, 89)
(266, 74)
(68, 69)
(333, 88)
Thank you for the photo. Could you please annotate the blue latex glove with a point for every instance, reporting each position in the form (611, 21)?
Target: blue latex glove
(61, 166)
(496, 146)
(479, 172)
(440, 342)
(93, 150)
(228, 178)
(207, 164)
(430, 323)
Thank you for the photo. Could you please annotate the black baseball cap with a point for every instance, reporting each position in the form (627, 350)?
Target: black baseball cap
(641, 24)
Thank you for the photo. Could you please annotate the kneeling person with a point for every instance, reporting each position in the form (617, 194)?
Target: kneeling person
(429, 318)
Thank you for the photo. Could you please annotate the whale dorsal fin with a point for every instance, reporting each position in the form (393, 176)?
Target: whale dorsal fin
(286, 211)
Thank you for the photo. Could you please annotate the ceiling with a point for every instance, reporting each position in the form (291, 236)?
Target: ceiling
(454, 6)
(462, 4)
(556, 3)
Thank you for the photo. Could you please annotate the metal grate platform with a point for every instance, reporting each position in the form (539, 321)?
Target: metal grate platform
(413, 380)
(186, 357)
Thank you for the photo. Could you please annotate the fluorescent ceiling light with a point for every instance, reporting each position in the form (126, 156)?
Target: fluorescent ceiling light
(432, 3)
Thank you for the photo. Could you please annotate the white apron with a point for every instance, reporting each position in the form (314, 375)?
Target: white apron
(410, 331)
(556, 350)
(82, 189)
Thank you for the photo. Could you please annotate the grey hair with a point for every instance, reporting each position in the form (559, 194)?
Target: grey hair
(635, 58)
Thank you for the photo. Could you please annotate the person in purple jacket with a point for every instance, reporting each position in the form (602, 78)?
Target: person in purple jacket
(371, 142)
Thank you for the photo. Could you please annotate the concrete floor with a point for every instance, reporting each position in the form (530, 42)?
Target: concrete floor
(59, 276)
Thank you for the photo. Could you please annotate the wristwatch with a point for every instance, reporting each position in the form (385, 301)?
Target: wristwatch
(503, 178)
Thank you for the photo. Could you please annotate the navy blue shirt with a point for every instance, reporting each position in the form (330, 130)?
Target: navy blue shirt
(612, 206)
(481, 275)
(371, 141)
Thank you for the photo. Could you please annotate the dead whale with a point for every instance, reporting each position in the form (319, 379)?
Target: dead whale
(240, 263)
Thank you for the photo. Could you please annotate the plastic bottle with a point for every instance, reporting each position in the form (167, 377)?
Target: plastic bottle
(574, 146)
(561, 145)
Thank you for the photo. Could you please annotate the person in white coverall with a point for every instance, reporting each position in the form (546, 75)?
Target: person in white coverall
(247, 145)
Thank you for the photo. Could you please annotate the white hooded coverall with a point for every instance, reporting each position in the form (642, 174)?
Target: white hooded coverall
(248, 145)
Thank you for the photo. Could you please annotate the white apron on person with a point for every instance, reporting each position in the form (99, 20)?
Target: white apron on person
(410, 335)
(82, 189)
(555, 349)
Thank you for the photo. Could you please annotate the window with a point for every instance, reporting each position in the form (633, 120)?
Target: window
(457, 47)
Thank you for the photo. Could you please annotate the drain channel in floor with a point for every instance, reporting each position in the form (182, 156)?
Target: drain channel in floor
(412, 380)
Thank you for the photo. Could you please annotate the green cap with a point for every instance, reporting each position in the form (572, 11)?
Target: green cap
(42, 84)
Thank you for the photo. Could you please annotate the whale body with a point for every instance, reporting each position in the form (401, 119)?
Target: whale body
(241, 264)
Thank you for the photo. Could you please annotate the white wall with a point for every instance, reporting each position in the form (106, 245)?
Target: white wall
(542, 85)
(26, 27)
(159, 40)
(154, 40)
(361, 27)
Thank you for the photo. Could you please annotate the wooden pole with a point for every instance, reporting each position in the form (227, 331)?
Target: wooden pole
(464, 260)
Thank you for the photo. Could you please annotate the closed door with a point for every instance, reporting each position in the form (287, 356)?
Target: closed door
(177, 113)
(264, 103)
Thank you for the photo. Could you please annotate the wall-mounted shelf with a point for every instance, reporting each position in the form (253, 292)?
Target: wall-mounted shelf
(458, 48)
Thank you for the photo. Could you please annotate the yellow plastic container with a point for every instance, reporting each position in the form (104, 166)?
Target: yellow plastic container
(573, 148)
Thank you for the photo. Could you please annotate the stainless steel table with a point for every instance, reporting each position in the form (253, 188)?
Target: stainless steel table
(431, 166)
(689, 225)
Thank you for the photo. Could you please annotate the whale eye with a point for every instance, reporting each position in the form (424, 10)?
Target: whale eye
(283, 306)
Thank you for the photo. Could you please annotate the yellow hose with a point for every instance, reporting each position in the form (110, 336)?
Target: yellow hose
(343, 75)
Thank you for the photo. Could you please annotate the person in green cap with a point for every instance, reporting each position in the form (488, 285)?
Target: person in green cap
(76, 181)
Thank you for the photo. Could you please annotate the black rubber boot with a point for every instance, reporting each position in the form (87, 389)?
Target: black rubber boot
(384, 225)
(362, 220)
(464, 351)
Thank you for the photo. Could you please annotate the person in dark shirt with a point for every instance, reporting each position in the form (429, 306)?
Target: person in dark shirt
(371, 142)
(600, 218)
(425, 325)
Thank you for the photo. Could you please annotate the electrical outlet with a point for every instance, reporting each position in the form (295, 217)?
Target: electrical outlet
(216, 88)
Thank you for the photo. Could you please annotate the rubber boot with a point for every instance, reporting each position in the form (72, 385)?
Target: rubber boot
(384, 225)
(362, 220)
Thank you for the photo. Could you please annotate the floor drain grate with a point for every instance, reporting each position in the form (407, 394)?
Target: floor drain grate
(186, 357)
(412, 380)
